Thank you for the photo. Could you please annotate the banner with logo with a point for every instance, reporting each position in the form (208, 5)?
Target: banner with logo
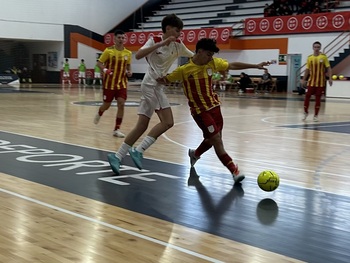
(322, 22)
(189, 36)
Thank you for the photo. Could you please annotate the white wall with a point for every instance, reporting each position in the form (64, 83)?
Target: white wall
(44, 19)
(39, 24)
(85, 52)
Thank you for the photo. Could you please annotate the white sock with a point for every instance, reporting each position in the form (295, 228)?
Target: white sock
(145, 144)
(123, 151)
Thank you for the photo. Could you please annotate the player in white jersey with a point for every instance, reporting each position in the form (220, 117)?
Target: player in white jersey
(160, 60)
(160, 53)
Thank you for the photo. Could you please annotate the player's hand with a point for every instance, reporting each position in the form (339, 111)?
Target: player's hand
(162, 80)
(128, 73)
(107, 71)
(169, 40)
(263, 64)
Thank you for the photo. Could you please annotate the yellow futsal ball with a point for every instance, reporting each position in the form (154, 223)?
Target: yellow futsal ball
(334, 77)
(341, 77)
(268, 180)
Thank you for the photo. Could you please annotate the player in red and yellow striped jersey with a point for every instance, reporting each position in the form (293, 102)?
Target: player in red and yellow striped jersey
(196, 77)
(115, 62)
(317, 66)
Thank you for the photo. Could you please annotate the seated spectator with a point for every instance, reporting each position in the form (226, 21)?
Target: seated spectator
(303, 9)
(317, 8)
(271, 11)
(244, 82)
(284, 10)
(310, 6)
(266, 10)
(265, 82)
(294, 5)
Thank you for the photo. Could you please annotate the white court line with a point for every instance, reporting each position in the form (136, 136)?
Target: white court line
(293, 138)
(120, 229)
(261, 163)
(224, 169)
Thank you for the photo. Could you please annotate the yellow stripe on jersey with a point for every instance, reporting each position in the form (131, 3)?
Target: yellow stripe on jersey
(317, 66)
(117, 61)
(197, 83)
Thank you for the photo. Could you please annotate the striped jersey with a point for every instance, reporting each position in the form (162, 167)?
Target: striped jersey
(317, 66)
(161, 59)
(197, 83)
(117, 61)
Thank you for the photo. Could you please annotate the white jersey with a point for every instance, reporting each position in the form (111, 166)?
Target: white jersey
(161, 59)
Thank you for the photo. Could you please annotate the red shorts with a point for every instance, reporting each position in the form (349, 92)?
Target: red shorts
(317, 91)
(210, 122)
(109, 95)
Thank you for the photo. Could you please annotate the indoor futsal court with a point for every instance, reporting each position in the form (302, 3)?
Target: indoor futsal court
(61, 202)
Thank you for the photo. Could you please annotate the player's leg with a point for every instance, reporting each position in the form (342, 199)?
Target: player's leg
(318, 96)
(205, 145)
(211, 123)
(84, 78)
(166, 122)
(141, 126)
(158, 101)
(119, 118)
(195, 154)
(108, 96)
(308, 94)
(225, 158)
(145, 112)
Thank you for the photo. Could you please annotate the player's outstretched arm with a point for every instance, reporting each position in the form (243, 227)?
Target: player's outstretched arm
(242, 65)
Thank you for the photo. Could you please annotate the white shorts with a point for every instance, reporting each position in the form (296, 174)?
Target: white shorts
(153, 98)
(65, 74)
(81, 74)
(97, 75)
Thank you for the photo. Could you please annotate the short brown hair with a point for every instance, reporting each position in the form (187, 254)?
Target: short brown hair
(172, 20)
(208, 44)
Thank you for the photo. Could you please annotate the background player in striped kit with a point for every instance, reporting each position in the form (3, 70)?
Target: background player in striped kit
(115, 62)
(317, 65)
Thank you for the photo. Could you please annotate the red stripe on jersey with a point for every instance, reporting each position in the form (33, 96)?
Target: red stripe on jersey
(200, 95)
(317, 69)
(118, 79)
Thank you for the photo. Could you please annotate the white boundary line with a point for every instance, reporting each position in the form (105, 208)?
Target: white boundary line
(123, 230)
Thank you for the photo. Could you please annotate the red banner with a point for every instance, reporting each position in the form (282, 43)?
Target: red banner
(322, 22)
(188, 36)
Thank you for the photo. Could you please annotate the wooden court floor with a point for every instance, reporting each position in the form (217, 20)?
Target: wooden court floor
(42, 223)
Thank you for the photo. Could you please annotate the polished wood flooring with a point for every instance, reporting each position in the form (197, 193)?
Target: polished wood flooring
(44, 224)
